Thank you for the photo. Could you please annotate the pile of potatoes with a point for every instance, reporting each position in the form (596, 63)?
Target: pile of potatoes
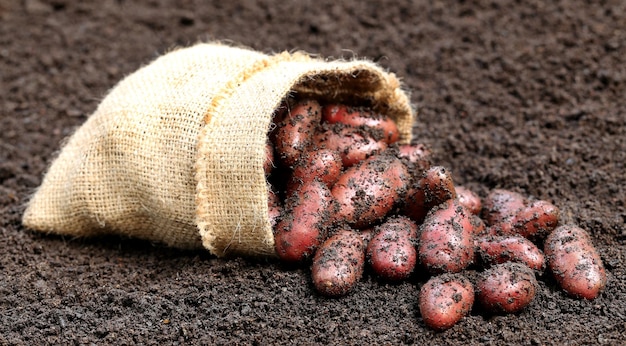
(345, 195)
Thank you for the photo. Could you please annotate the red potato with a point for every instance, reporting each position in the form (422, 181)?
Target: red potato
(469, 199)
(295, 132)
(354, 145)
(446, 241)
(500, 206)
(367, 192)
(535, 220)
(418, 156)
(506, 288)
(323, 164)
(575, 262)
(336, 113)
(445, 299)
(513, 248)
(391, 252)
(433, 187)
(304, 226)
(338, 263)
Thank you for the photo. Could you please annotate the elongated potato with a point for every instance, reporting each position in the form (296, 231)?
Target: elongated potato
(391, 252)
(323, 164)
(295, 132)
(506, 288)
(367, 192)
(357, 116)
(445, 299)
(353, 144)
(338, 263)
(446, 241)
(575, 262)
(512, 248)
(303, 227)
(535, 220)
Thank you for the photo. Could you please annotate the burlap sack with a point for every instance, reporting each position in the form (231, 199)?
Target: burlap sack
(175, 151)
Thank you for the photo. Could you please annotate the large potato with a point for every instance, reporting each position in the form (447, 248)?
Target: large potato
(367, 192)
(295, 132)
(575, 262)
(303, 227)
(338, 263)
(391, 252)
(446, 240)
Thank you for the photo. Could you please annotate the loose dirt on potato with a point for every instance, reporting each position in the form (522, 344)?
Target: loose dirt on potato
(527, 96)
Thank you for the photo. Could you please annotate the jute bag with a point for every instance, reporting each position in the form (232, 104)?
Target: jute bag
(174, 153)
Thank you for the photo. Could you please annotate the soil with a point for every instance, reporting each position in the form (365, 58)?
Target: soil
(522, 95)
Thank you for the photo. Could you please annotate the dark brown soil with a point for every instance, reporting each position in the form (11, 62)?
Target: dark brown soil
(528, 96)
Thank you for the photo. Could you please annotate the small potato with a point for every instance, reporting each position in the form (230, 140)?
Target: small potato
(353, 145)
(295, 132)
(323, 164)
(367, 192)
(469, 199)
(512, 248)
(433, 187)
(337, 113)
(575, 262)
(506, 288)
(536, 220)
(304, 226)
(338, 263)
(391, 252)
(500, 206)
(446, 241)
(418, 156)
(445, 299)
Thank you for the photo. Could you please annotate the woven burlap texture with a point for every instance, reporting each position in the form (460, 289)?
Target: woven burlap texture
(174, 153)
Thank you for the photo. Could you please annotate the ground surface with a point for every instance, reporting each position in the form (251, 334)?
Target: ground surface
(528, 96)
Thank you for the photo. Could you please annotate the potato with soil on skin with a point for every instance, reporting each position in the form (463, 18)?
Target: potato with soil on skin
(295, 132)
(535, 220)
(433, 187)
(512, 248)
(500, 206)
(445, 299)
(506, 288)
(359, 116)
(353, 144)
(304, 224)
(338, 263)
(418, 156)
(323, 164)
(575, 262)
(469, 199)
(367, 192)
(446, 240)
(391, 252)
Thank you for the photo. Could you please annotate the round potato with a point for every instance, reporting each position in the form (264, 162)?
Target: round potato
(445, 299)
(506, 288)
